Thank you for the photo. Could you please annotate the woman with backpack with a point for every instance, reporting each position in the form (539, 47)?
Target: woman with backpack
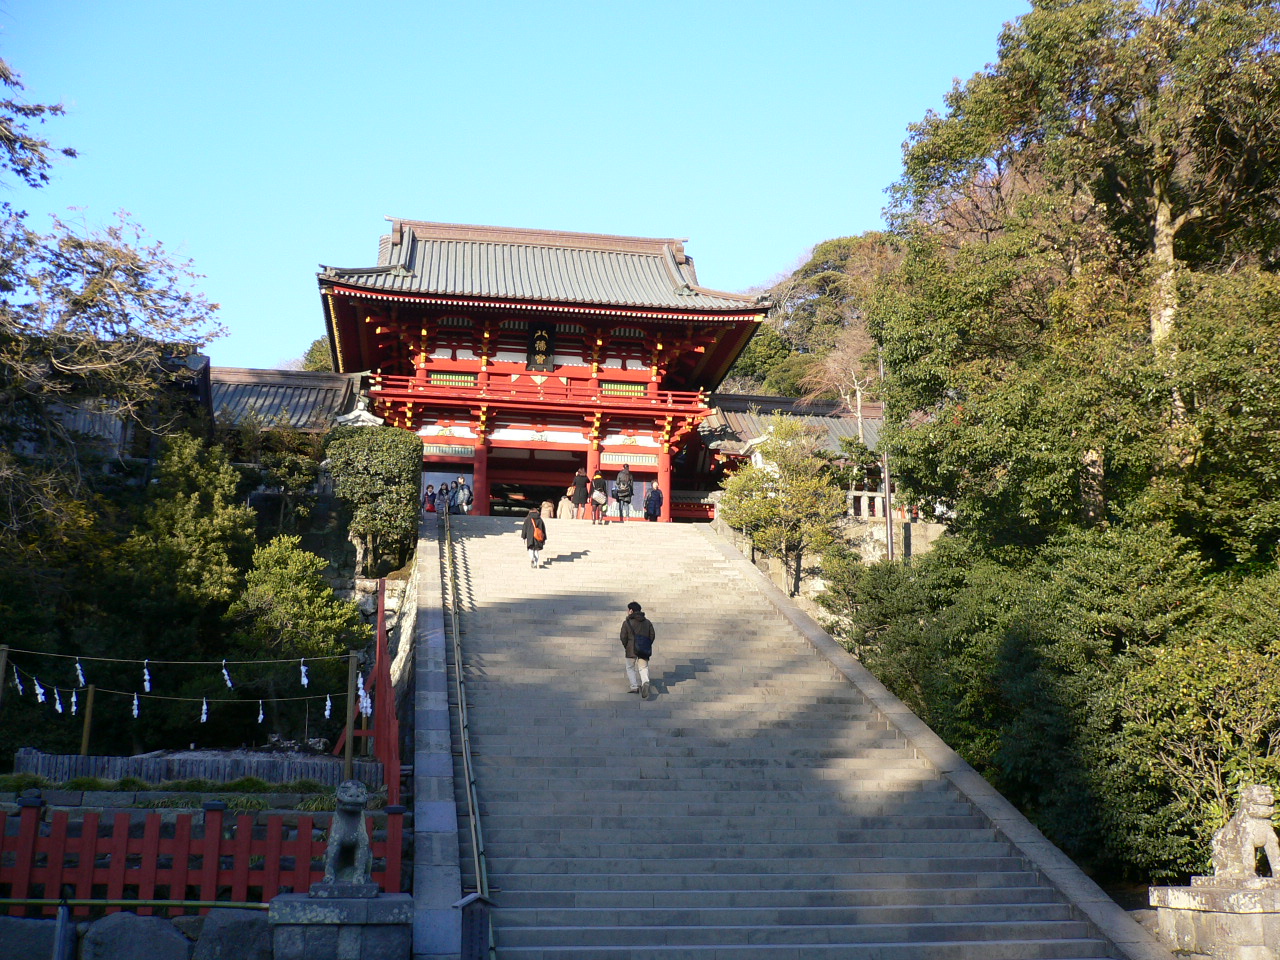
(534, 534)
(599, 498)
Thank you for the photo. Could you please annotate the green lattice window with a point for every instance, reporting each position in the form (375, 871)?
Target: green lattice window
(612, 389)
(439, 378)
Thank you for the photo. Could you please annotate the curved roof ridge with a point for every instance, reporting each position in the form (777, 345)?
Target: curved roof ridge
(442, 259)
(431, 230)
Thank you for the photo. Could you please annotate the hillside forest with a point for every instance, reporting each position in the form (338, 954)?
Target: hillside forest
(1077, 310)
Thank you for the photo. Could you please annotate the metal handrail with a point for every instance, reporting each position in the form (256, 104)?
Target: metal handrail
(155, 904)
(459, 685)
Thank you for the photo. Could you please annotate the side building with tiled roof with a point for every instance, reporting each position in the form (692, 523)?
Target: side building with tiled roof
(303, 400)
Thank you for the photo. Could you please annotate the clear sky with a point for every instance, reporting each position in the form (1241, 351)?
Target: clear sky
(261, 138)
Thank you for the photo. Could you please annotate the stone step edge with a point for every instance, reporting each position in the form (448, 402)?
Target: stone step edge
(1117, 926)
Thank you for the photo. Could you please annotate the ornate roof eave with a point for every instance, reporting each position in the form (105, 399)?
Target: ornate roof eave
(751, 310)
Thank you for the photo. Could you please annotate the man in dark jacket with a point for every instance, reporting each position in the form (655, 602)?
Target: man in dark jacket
(637, 638)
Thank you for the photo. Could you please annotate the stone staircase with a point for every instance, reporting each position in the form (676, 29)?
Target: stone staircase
(757, 805)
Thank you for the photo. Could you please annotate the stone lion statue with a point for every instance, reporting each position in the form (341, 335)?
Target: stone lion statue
(348, 858)
(1235, 846)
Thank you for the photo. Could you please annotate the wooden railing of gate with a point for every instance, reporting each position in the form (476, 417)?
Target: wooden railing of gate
(174, 857)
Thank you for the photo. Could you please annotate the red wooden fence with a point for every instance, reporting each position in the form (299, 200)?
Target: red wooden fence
(385, 731)
(188, 858)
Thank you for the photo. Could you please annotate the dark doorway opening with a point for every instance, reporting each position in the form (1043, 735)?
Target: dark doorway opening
(517, 499)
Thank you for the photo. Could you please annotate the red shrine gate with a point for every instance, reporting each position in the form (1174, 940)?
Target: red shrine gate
(521, 355)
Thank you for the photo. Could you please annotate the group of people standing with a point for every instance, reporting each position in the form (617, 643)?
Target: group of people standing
(452, 497)
(590, 496)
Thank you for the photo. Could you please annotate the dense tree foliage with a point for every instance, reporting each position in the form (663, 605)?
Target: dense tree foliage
(816, 340)
(376, 472)
(318, 357)
(1082, 342)
(788, 504)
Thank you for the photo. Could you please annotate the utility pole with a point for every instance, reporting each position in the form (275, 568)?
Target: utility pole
(888, 508)
(884, 469)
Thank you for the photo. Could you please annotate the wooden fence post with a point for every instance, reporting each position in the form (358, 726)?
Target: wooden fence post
(347, 765)
(88, 720)
(4, 665)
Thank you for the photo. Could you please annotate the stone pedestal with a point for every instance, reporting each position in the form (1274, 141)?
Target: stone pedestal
(342, 921)
(1226, 919)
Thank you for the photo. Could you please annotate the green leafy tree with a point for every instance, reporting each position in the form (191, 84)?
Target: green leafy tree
(196, 536)
(376, 472)
(1157, 112)
(765, 351)
(788, 377)
(1078, 342)
(1221, 484)
(1201, 711)
(788, 504)
(816, 341)
(318, 358)
(830, 291)
(287, 607)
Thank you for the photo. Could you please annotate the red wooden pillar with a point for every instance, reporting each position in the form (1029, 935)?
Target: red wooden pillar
(593, 459)
(664, 482)
(480, 481)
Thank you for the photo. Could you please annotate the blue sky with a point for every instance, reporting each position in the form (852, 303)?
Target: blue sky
(261, 139)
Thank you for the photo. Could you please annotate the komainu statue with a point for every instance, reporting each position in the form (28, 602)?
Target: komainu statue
(1235, 846)
(348, 858)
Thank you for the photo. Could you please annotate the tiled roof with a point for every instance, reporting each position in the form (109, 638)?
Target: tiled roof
(549, 266)
(303, 400)
(736, 420)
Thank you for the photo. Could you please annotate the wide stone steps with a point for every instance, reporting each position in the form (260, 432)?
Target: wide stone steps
(909, 884)
(757, 805)
(894, 897)
(766, 930)
(627, 914)
(754, 868)
(588, 816)
(882, 829)
(985, 949)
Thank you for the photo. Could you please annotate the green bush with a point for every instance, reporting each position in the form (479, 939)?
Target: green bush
(194, 785)
(180, 800)
(88, 783)
(17, 782)
(248, 785)
(244, 803)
